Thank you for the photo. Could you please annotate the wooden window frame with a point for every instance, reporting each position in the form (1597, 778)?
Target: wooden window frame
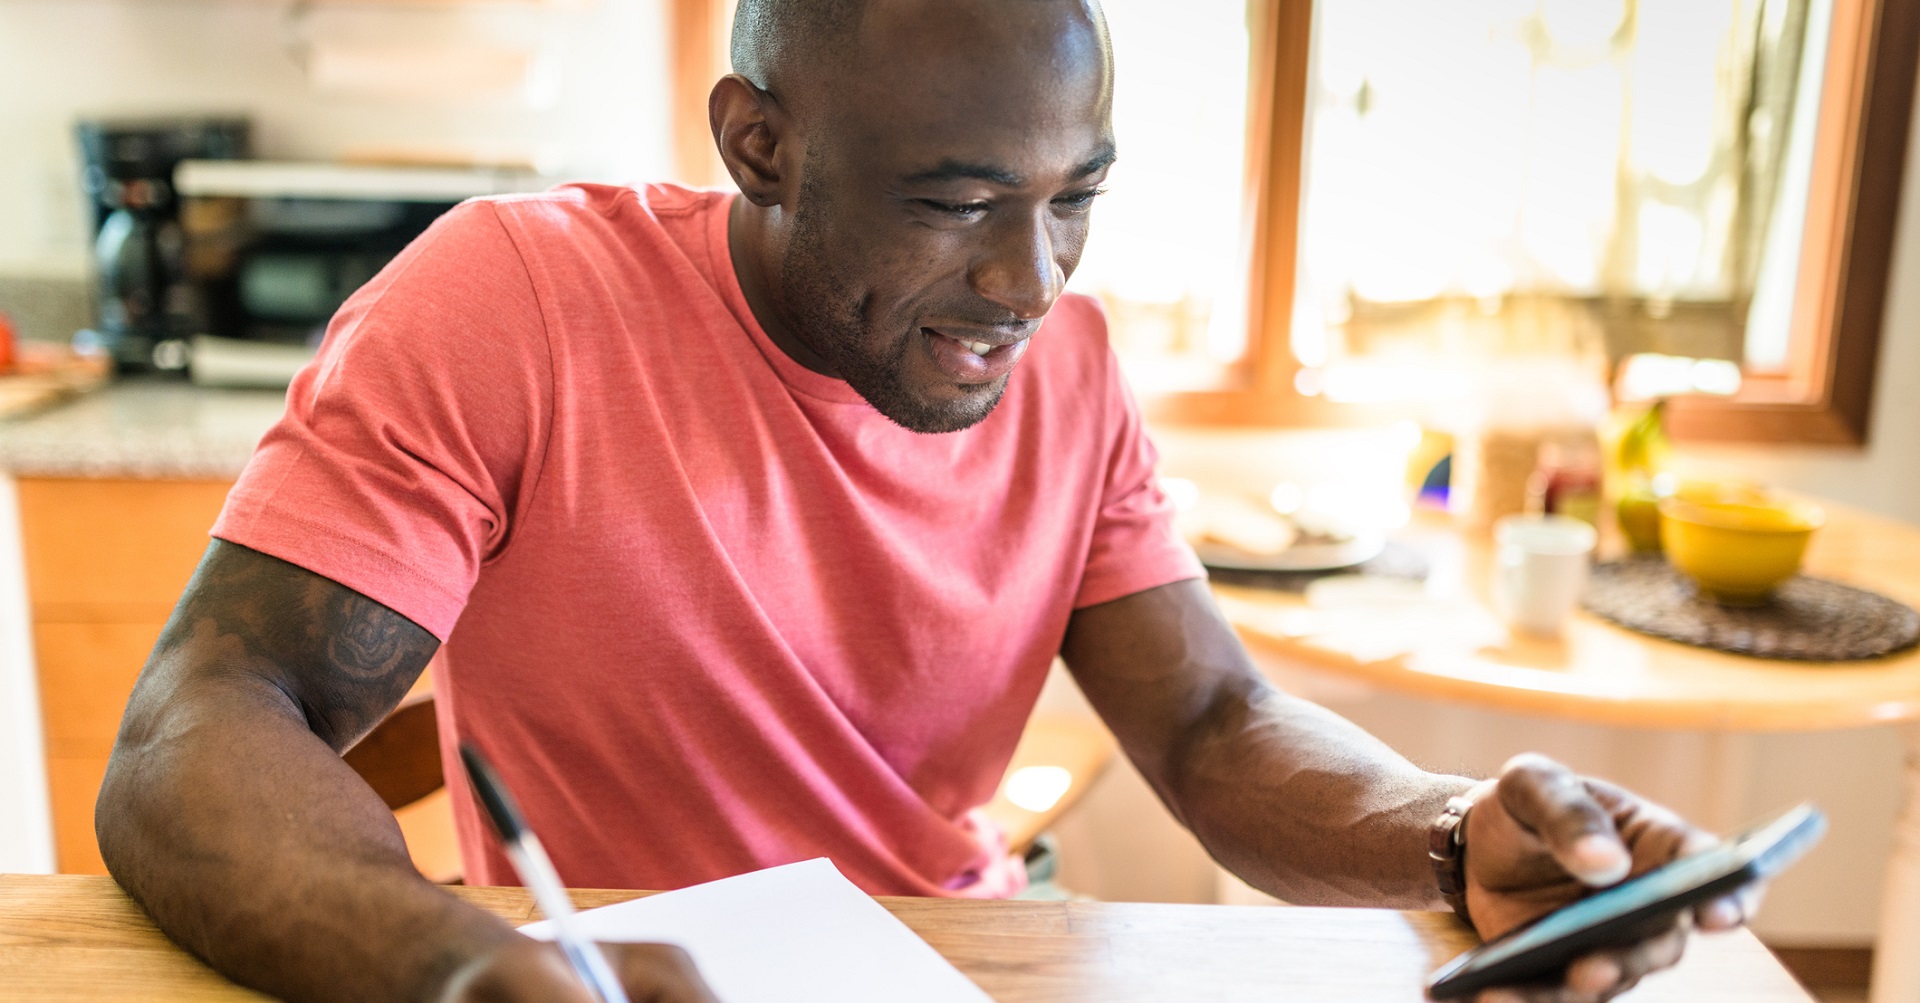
(1260, 389)
(1825, 395)
(697, 31)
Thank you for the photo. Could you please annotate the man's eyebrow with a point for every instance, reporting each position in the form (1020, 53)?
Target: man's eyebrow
(1097, 162)
(956, 170)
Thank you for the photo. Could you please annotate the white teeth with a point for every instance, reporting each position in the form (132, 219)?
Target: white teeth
(976, 347)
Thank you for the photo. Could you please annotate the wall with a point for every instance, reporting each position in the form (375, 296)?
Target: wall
(605, 115)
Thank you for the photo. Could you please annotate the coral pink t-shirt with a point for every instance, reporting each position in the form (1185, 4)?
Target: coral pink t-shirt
(707, 609)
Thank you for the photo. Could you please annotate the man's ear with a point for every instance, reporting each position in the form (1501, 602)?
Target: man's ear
(749, 127)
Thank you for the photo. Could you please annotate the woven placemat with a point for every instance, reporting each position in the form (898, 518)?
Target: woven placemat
(1809, 619)
(1395, 560)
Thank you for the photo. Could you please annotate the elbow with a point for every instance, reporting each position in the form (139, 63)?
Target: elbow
(113, 811)
(118, 806)
(142, 786)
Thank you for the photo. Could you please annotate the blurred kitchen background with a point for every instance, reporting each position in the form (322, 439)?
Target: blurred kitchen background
(1345, 239)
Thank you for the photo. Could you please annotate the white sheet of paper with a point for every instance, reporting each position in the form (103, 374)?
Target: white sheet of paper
(800, 933)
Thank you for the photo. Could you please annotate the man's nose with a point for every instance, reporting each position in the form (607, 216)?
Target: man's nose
(1018, 271)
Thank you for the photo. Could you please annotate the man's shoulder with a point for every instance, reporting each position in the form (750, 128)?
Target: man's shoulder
(586, 233)
(588, 204)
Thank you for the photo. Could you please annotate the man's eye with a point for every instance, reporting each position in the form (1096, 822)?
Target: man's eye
(959, 210)
(1080, 201)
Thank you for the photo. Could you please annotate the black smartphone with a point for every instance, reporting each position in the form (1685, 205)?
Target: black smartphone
(1631, 910)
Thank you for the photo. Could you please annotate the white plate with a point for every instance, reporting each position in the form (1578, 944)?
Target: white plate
(1359, 549)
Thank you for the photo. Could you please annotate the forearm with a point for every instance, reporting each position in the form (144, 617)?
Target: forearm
(1290, 796)
(1305, 805)
(253, 845)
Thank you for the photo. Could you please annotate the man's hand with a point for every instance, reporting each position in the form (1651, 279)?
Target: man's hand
(527, 971)
(1541, 836)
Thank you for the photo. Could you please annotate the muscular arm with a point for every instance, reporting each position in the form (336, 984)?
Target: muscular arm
(229, 815)
(1303, 804)
(1291, 797)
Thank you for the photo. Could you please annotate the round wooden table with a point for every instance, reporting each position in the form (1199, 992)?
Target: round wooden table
(1452, 648)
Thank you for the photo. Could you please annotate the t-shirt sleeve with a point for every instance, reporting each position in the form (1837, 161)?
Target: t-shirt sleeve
(415, 437)
(1135, 546)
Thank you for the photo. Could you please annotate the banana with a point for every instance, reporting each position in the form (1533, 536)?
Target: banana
(1640, 453)
(1643, 448)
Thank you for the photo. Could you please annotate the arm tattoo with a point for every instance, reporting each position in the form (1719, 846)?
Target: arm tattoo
(368, 640)
(342, 658)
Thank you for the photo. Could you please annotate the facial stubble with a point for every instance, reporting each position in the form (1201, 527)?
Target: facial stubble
(833, 318)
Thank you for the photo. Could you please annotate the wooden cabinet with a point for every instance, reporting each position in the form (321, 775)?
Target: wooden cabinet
(106, 560)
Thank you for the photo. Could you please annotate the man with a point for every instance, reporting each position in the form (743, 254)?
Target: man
(750, 526)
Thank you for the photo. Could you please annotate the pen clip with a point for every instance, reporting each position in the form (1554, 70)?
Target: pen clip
(501, 809)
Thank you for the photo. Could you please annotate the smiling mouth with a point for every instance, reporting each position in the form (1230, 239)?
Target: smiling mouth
(971, 361)
(980, 348)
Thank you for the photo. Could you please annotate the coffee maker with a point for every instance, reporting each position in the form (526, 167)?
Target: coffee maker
(146, 305)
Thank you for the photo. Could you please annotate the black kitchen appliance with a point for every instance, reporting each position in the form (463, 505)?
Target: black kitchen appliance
(147, 306)
(272, 249)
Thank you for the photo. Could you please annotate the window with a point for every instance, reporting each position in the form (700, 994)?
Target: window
(1497, 178)
(1170, 242)
(1604, 178)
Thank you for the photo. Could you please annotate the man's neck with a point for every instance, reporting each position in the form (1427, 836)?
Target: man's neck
(751, 246)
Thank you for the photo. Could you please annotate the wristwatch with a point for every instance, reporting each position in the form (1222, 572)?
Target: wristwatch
(1447, 851)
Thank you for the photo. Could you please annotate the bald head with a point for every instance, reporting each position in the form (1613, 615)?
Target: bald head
(918, 178)
(783, 45)
(771, 34)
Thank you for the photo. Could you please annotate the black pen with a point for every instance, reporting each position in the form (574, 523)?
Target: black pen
(537, 873)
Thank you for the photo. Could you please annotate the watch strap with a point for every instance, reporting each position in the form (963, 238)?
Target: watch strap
(1447, 852)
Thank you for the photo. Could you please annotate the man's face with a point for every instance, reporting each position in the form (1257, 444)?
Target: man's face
(945, 196)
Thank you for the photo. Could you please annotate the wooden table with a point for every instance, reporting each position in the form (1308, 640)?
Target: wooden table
(78, 938)
(1453, 649)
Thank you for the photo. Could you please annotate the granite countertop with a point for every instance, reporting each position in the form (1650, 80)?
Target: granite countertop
(142, 427)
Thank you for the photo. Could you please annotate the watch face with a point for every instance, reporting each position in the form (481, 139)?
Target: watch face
(1447, 831)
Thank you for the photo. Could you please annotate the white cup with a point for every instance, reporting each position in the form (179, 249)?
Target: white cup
(1540, 571)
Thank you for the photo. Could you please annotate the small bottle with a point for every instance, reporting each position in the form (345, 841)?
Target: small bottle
(1568, 479)
(7, 338)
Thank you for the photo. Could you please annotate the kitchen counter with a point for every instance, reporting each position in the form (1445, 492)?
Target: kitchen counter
(115, 488)
(142, 428)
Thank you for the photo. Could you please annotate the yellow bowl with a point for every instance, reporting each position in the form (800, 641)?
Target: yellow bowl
(1739, 547)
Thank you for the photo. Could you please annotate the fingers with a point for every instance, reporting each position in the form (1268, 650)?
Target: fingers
(659, 973)
(1603, 975)
(1608, 973)
(1731, 911)
(516, 970)
(1555, 804)
(1720, 914)
(524, 971)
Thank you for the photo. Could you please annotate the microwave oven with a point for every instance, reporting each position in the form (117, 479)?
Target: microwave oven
(272, 249)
